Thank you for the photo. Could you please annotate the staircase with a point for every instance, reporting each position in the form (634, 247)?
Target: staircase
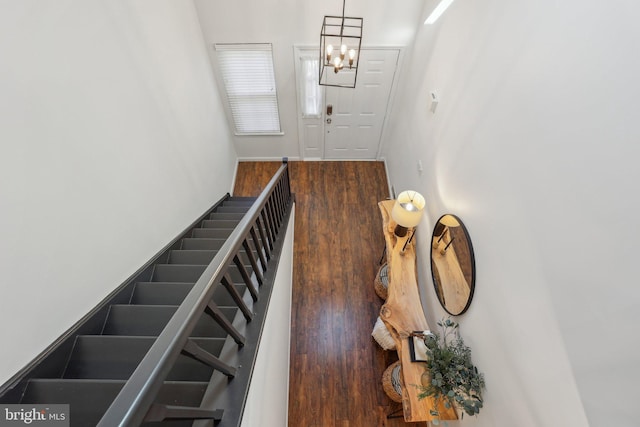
(170, 345)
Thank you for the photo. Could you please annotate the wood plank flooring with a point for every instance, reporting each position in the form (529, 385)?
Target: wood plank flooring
(336, 366)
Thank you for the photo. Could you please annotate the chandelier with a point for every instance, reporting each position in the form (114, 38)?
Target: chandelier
(340, 41)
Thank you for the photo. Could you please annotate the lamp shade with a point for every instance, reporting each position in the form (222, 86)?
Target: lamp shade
(407, 211)
(450, 221)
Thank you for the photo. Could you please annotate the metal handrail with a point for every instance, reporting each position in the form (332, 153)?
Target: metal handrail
(138, 394)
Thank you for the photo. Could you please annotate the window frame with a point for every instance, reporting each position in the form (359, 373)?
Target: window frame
(233, 101)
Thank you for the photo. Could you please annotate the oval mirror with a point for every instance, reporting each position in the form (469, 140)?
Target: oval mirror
(452, 264)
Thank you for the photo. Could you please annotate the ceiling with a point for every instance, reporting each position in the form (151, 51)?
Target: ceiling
(295, 22)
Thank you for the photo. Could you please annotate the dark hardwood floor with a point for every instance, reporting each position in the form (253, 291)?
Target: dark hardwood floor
(336, 366)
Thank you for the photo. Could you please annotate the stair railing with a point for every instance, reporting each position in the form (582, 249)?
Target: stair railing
(261, 226)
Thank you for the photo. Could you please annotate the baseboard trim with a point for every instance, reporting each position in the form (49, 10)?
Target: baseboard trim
(386, 172)
(265, 159)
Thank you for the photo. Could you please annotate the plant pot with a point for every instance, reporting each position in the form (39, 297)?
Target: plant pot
(425, 379)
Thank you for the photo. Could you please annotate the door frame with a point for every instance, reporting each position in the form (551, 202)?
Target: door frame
(311, 50)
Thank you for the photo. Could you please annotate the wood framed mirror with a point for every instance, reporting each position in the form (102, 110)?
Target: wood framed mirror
(452, 264)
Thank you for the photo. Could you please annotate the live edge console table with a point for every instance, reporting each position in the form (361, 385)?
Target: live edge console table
(402, 313)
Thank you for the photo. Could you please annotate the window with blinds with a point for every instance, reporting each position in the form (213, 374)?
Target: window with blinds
(250, 85)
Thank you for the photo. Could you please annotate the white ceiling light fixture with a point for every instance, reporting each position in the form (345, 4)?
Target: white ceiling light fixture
(439, 10)
(340, 41)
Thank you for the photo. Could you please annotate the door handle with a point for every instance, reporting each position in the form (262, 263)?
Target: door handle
(329, 109)
(328, 121)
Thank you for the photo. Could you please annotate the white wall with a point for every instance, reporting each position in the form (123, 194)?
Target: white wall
(113, 140)
(268, 395)
(535, 146)
(289, 22)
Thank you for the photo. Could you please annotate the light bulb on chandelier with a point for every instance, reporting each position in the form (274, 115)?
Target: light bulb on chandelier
(337, 64)
(329, 52)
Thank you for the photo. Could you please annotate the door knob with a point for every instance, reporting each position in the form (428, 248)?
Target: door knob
(328, 121)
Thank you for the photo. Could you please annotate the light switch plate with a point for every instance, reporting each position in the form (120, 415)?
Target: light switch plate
(433, 99)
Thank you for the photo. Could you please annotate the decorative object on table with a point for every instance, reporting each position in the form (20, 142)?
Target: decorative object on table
(452, 264)
(417, 348)
(407, 211)
(451, 377)
(340, 41)
(381, 282)
(391, 382)
(382, 335)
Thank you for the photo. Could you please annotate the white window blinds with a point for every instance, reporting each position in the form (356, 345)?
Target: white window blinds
(250, 85)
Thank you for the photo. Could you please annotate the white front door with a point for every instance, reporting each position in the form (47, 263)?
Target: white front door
(354, 127)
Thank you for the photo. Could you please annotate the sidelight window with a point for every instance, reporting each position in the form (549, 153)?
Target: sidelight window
(310, 94)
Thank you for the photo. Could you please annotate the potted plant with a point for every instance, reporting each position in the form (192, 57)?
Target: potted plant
(451, 377)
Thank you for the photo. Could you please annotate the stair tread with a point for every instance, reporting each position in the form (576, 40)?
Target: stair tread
(200, 257)
(177, 272)
(196, 250)
(166, 283)
(216, 233)
(240, 199)
(190, 272)
(88, 399)
(160, 293)
(207, 243)
(150, 320)
(220, 223)
(203, 251)
(192, 256)
(232, 209)
(174, 293)
(116, 357)
(153, 306)
(228, 216)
